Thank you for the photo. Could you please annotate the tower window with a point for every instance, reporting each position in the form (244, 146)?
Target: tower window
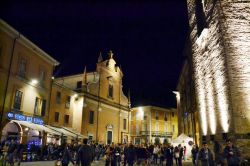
(58, 97)
(110, 93)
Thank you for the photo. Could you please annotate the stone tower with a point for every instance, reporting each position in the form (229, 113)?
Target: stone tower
(220, 54)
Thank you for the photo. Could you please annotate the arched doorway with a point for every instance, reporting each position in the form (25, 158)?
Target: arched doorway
(11, 131)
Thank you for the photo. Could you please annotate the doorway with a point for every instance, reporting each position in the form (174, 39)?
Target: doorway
(109, 137)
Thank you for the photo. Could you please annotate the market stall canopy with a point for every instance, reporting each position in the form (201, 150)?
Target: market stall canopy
(37, 127)
(182, 139)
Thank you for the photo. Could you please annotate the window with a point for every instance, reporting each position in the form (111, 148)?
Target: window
(173, 129)
(91, 117)
(43, 108)
(172, 114)
(110, 87)
(165, 116)
(110, 93)
(124, 124)
(79, 85)
(56, 116)
(22, 67)
(144, 127)
(58, 97)
(38, 106)
(18, 100)
(137, 129)
(156, 115)
(157, 126)
(42, 75)
(67, 104)
(165, 127)
(66, 119)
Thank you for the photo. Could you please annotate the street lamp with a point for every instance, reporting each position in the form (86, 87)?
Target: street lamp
(34, 82)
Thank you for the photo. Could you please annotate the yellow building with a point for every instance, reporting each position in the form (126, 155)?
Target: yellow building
(102, 112)
(151, 124)
(25, 72)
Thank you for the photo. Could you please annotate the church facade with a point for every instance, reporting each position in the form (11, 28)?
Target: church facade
(99, 109)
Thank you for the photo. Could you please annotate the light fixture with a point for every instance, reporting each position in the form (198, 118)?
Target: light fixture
(52, 77)
(34, 82)
(26, 129)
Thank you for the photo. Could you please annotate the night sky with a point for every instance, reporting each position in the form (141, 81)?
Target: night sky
(147, 39)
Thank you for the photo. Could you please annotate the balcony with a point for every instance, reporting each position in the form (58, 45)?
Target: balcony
(156, 133)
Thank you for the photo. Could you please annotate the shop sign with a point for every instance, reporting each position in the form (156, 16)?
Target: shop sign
(21, 117)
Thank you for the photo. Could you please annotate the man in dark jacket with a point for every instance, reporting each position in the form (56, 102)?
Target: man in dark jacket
(84, 154)
(130, 155)
(232, 154)
(206, 156)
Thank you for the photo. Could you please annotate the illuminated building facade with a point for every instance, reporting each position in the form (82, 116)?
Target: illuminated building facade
(219, 41)
(188, 115)
(151, 124)
(25, 72)
(103, 110)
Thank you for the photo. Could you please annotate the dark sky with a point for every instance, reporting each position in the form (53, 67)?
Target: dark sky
(147, 39)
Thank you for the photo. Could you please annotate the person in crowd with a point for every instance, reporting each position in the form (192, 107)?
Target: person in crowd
(66, 155)
(130, 154)
(168, 153)
(181, 152)
(108, 154)
(195, 152)
(161, 154)
(97, 151)
(206, 156)
(184, 153)
(176, 155)
(232, 154)
(218, 153)
(11, 152)
(125, 151)
(84, 155)
(19, 153)
(116, 156)
(155, 153)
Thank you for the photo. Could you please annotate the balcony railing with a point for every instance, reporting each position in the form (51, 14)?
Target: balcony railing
(156, 133)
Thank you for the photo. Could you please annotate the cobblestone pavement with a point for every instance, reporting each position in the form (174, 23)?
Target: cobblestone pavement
(96, 163)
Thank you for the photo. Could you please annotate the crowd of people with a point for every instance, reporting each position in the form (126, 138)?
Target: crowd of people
(126, 154)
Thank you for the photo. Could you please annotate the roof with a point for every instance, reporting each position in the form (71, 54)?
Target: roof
(26, 42)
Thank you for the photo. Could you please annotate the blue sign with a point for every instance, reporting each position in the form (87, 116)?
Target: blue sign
(21, 117)
(37, 121)
(10, 115)
(29, 119)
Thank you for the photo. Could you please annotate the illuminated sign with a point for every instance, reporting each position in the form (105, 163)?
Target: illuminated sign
(21, 117)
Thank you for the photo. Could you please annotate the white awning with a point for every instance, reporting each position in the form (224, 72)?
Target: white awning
(37, 127)
(75, 132)
(62, 131)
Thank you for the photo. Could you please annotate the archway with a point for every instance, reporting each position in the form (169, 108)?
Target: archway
(10, 131)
